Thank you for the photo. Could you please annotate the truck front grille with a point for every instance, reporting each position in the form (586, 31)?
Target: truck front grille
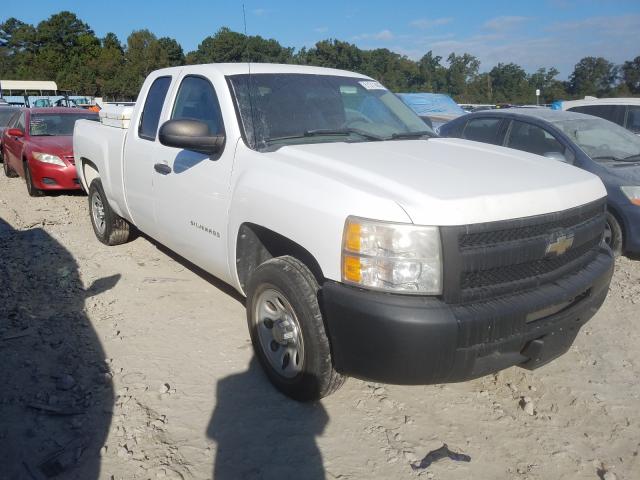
(489, 260)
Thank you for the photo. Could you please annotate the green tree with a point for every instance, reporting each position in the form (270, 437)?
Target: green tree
(463, 70)
(509, 84)
(333, 54)
(593, 76)
(631, 75)
(109, 66)
(229, 46)
(433, 75)
(173, 51)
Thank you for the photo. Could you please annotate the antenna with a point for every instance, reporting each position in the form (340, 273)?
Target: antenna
(246, 37)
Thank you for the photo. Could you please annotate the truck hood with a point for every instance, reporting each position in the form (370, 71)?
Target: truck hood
(443, 181)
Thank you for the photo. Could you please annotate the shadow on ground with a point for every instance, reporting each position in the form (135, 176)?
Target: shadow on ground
(56, 399)
(260, 434)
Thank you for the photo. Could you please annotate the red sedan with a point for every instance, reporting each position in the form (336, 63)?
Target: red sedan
(38, 146)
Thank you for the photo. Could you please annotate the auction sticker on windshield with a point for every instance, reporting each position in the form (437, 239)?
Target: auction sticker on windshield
(372, 85)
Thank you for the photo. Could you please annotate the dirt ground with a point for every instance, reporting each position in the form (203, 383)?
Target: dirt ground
(127, 363)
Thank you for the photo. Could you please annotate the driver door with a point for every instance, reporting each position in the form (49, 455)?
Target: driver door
(191, 189)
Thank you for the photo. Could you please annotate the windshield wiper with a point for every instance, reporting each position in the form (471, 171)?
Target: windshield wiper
(635, 156)
(326, 132)
(402, 135)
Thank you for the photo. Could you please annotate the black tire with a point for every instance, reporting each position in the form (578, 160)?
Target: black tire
(113, 229)
(31, 188)
(613, 234)
(8, 171)
(296, 283)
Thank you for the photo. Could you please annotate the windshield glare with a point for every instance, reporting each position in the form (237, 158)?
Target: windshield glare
(603, 141)
(288, 109)
(42, 125)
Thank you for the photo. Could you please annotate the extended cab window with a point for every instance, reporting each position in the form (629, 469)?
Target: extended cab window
(533, 139)
(153, 107)
(197, 100)
(483, 130)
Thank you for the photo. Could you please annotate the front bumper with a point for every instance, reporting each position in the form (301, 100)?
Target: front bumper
(54, 177)
(406, 339)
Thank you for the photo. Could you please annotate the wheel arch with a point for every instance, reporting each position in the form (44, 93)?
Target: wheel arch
(256, 244)
(89, 172)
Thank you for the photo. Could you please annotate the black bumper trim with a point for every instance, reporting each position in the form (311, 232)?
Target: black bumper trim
(406, 339)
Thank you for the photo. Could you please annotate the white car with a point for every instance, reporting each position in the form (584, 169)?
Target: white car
(623, 111)
(365, 246)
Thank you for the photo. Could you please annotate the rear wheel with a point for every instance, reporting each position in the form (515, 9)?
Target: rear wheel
(8, 171)
(31, 189)
(109, 227)
(613, 234)
(287, 330)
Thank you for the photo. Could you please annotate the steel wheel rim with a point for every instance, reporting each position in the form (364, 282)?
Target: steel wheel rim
(97, 213)
(608, 234)
(279, 333)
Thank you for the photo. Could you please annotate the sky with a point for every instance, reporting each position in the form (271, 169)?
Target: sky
(533, 34)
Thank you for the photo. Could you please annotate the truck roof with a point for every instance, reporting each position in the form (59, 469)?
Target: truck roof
(244, 68)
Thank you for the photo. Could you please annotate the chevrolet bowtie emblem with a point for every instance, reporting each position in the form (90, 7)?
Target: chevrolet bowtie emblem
(559, 245)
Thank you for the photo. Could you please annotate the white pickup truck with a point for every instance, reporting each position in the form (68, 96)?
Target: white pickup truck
(365, 245)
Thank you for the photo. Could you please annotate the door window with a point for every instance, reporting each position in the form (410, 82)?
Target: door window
(20, 122)
(482, 130)
(533, 139)
(153, 107)
(633, 119)
(613, 113)
(197, 100)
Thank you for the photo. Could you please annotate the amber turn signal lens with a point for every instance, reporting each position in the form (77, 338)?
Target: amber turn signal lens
(352, 239)
(351, 269)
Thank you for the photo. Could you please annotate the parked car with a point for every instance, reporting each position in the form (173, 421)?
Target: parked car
(38, 146)
(623, 111)
(6, 113)
(435, 109)
(588, 142)
(365, 245)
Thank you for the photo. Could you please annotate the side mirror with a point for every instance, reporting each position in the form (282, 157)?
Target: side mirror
(15, 132)
(190, 135)
(556, 156)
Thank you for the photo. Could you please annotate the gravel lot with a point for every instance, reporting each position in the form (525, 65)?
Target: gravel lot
(128, 363)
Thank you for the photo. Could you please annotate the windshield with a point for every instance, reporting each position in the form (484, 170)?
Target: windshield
(285, 109)
(5, 115)
(603, 141)
(51, 124)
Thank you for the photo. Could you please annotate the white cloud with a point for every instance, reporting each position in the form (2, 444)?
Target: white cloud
(321, 29)
(506, 22)
(259, 12)
(382, 35)
(424, 23)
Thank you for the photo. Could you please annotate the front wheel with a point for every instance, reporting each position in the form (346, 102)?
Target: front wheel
(613, 234)
(287, 330)
(31, 188)
(109, 227)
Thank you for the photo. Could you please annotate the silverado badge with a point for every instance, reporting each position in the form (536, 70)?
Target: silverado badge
(559, 245)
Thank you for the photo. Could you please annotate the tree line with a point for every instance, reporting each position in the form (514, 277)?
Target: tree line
(63, 48)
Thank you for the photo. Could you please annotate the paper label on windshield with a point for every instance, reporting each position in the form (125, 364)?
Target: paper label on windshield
(372, 85)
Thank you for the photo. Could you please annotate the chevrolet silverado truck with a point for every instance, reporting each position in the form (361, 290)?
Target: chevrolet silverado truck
(365, 246)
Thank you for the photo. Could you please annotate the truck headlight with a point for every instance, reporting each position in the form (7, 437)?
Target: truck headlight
(632, 193)
(396, 257)
(48, 158)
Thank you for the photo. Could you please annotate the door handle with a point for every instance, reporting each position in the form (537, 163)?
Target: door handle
(162, 168)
